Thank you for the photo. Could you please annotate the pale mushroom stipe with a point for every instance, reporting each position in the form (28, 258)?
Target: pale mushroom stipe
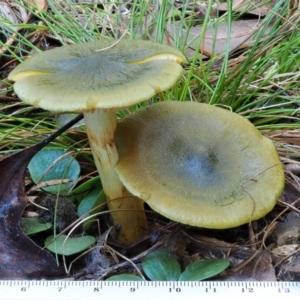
(97, 78)
(198, 164)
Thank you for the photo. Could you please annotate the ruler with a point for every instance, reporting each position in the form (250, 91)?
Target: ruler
(139, 290)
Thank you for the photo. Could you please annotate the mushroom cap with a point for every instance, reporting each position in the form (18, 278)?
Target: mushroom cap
(99, 74)
(198, 164)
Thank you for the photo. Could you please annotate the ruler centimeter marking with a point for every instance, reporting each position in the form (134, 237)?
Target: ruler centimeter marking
(110, 290)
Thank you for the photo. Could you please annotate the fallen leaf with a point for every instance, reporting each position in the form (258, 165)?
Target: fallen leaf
(259, 268)
(254, 7)
(20, 257)
(285, 250)
(287, 231)
(16, 14)
(40, 4)
(13, 13)
(290, 270)
(215, 38)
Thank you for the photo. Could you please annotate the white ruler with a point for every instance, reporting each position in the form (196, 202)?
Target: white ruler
(123, 290)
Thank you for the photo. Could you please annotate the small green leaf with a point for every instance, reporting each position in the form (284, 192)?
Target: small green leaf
(89, 202)
(161, 265)
(203, 269)
(70, 246)
(85, 188)
(34, 225)
(95, 198)
(46, 165)
(125, 277)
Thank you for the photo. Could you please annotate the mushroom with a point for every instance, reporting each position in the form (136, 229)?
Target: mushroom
(198, 164)
(97, 78)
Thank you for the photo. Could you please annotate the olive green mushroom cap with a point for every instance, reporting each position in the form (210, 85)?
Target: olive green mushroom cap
(99, 74)
(198, 164)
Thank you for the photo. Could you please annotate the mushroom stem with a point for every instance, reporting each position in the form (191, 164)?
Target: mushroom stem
(101, 125)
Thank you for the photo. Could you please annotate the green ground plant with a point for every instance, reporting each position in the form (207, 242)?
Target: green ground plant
(162, 265)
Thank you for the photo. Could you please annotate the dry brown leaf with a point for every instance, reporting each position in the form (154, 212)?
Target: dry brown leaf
(216, 36)
(16, 14)
(10, 11)
(285, 250)
(260, 268)
(41, 4)
(215, 39)
(287, 232)
(254, 7)
(290, 270)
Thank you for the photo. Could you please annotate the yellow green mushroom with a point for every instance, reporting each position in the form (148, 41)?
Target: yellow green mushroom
(98, 78)
(198, 164)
